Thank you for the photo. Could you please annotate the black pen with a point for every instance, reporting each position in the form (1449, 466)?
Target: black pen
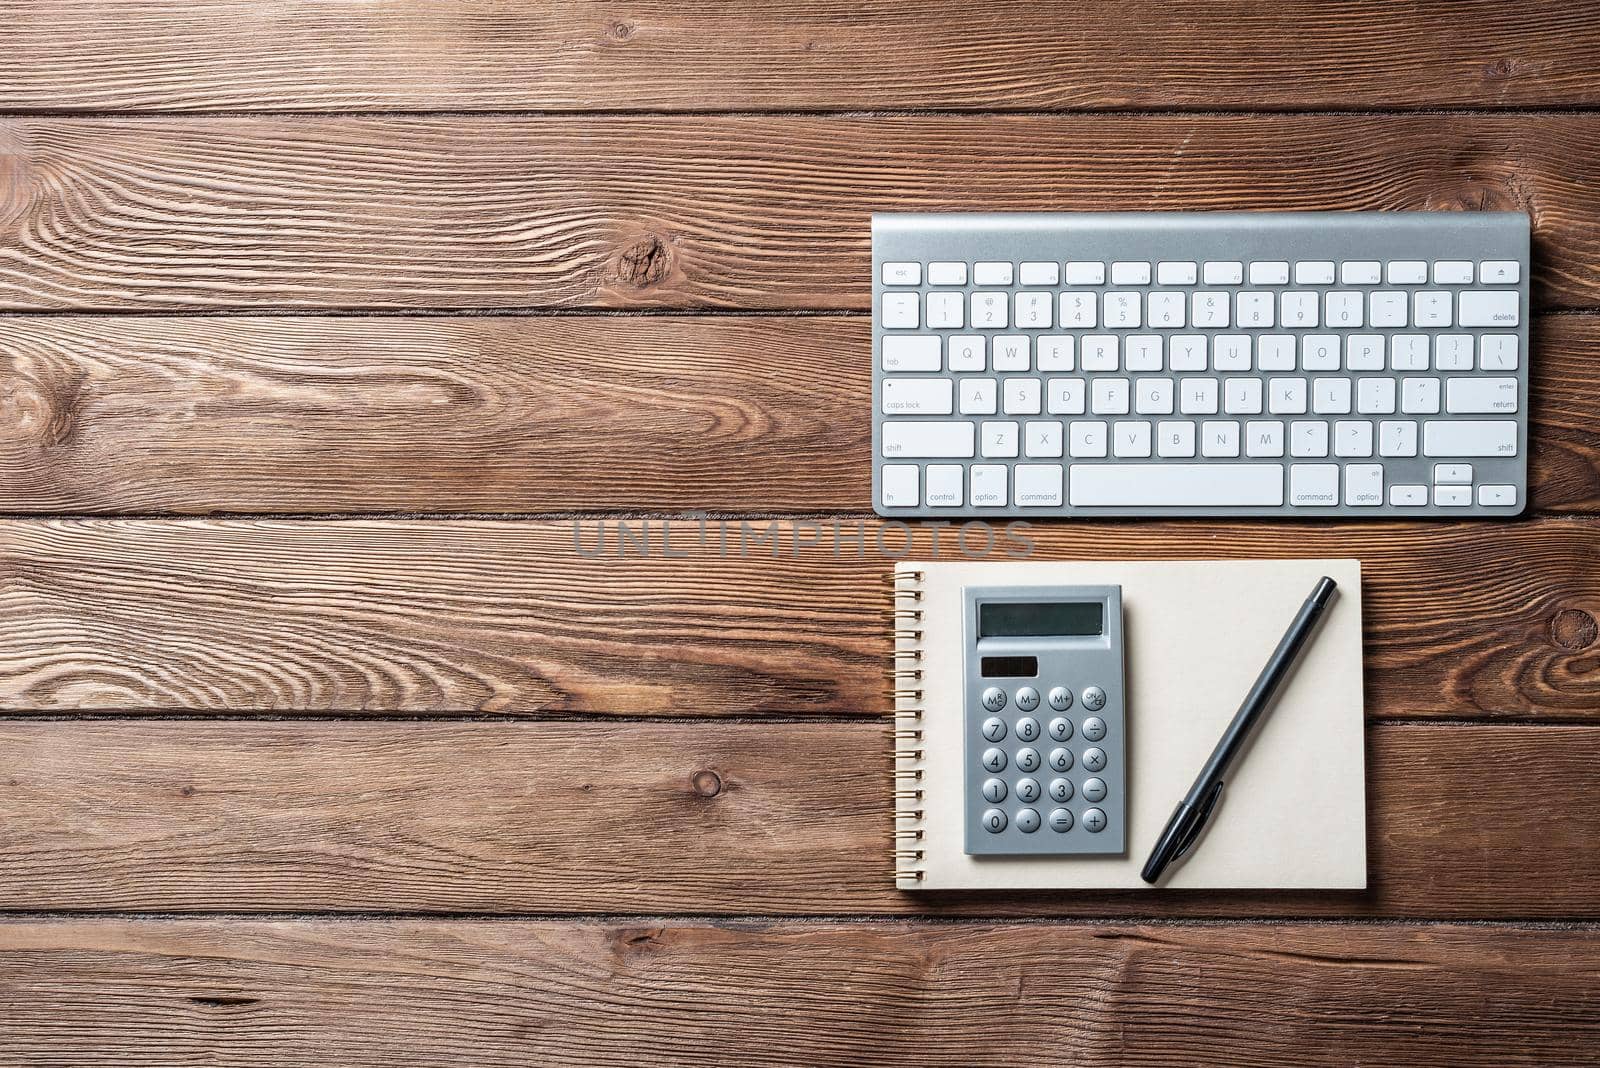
(1195, 808)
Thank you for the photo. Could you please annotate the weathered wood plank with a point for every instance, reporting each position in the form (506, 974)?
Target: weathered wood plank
(526, 415)
(308, 993)
(741, 212)
(780, 818)
(820, 54)
(354, 616)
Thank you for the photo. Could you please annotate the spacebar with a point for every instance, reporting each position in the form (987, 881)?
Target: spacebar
(1175, 485)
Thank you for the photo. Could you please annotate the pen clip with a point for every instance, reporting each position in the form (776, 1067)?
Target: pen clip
(1198, 821)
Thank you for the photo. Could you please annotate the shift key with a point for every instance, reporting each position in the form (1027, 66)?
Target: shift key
(929, 439)
(1469, 437)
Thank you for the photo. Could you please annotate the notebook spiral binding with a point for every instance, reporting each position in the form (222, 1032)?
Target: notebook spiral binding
(905, 689)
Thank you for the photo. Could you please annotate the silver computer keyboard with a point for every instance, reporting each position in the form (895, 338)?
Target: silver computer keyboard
(1353, 364)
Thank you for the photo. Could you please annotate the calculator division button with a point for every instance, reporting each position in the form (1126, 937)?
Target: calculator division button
(1027, 726)
(994, 699)
(1027, 699)
(1060, 759)
(994, 820)
(1028, 820)
(1028, 759)
(994, 728)
(1027, 791)
(994, 790)
(1094, 790)
(1094, 699)
(1094, 759)
(1191, 485)
(1094, 728)
(1094, 821)
(1061, 820)
(994, 760)
(1060, 790)
(1061, 728)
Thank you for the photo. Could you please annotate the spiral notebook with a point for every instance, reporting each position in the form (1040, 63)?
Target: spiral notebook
(1197, 632)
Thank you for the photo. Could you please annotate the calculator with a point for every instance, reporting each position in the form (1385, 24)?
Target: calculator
(1046, 721)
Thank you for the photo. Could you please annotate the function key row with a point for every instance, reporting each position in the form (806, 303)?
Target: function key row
(1213, 272)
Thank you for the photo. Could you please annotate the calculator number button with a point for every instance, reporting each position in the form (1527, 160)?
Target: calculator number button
(1027, 699)
(1060, 759)
(1028, 820)
(1061, 790)
(994, 791)
(1061, 820)
(1028, 760)
(994, 760)
(994, 821)
(1094, 821)
(1094, 790)
(1094, 728)
(1027, 728)
(994, 699)
(1060, 699)
(1093, 759)
(1027, 791)
(1060, 728)
(1094, 699)
(994, 729)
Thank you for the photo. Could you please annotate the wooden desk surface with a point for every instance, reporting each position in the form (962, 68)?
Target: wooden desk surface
(323, 742)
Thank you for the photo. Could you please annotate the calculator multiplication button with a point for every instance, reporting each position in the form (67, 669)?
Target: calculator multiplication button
(1094, 821)
(1094, 790)
(1094, 759)
(1094, 728)
(994, 820)
(994, 790)
(1028, 820)
(994, 729)
(1060, 759)
(1028, 759)
(994, 699)
(1027, 699)
(1061, 790)
(1027, 726)
(1027, 791)
(1060, 699)
(994, 760)
(1061, 820)
(1060, 728)
(1094, 698)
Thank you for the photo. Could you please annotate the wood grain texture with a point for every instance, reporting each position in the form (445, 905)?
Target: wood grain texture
(751, 818)
(353, 616)
(308, 993)
(809, 54)
(525, 415)
(734, 212)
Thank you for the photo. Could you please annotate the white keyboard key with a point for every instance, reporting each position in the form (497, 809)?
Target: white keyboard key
(1080, 310)
(946, 485)
(1352, 437)
(1431, 307)
(900, 311)
(1452, 273)
(902, 274)
(1130, 273)
(1122, 310)
(989, 485)
(1343, 309)
(1408, 273)
(1022, 396)
(1497, 496)
(1387, 307)
(1186, 352)
(968, 352)
(1263, 437)
(928, 440)
(1038, 485)
(1088, 438)
(1153, 396)
(1269, 273)
(1319, 352)
(1167, 310)
(1041, 274)
(1452, 496)
(917, 396)
(1057, 352)
(1219, 437)
(1223, 273)
(1363, 352)
(1034, 311)
(1314, 485)
(1197, 396)
(1085, 273)
(1490, 308)
(1452, 352)
(979, 396)
(1181, 273)
(1064, 396)
(1419, 396)
(1408, 352)
(1230, 352)
(1099, 352)
(1469, 437)
(1142, 352)
(1497, 352)
(1176, 485)
(919, 353)
(1360, 273)
(1363, 485)
(1286, 396)
(1308, 438)
(1499, 272)
(1452, 474)
(945, 273)
(1042, 438)
(1408, 496)
(1208, 309)
(991, 274)
(1275, 352)
(990, 310)
(1175, 438)
(1010, 353)
(1397, 437)
(899, 484)
(1480, 396)
(1130, 439)
(1254, 311)
(1330, 396)
(999, 439)
(1375, 396)
(1299, 309)
(1242, 396)
(1313, 273)
(947, 311)
(1109, 396)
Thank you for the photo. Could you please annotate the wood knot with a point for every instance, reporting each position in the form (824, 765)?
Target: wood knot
(637, 938)
(1475, 195)
(15, 185)
(186, 790)
(1574, 629)
(619, 30)
(706, 783)
(1500, 69)
(41, 410)
(645, 262)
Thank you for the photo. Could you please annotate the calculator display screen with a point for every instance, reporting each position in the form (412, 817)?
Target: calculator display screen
(1041, 619)
(1010, 667)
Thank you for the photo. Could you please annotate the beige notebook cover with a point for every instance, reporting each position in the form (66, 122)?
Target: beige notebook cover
(1196, 635)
